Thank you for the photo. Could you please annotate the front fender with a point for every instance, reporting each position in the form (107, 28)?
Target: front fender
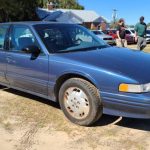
(79, 73)
(104, 80)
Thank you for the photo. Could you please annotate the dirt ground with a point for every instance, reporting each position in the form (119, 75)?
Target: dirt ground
(28, 122)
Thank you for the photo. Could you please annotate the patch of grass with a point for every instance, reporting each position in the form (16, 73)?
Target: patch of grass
(8, 126)
(130, 144)
(26, 111)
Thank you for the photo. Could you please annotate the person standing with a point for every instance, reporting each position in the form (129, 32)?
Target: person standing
(121, 34)
(140, 34)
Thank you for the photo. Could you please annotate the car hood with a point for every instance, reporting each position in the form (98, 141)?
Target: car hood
(104, 36)
(130, 63)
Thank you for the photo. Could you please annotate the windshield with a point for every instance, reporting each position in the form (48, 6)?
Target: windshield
(67, 37)
(148, 31)
(132, 31)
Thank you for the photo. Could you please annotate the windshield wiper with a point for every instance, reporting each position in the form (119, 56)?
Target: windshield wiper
(101, 46)
(84, 49)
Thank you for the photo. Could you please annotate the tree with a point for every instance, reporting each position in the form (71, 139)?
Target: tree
(113, 25)
(25, 10)
(22, 10)
(66, 4)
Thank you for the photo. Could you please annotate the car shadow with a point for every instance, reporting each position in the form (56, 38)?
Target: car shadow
(140, 124)
(30, 96)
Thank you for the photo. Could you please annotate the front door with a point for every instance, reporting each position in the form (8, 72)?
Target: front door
(22, 71)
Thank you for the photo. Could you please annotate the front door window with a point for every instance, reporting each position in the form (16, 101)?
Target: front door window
(21, 37)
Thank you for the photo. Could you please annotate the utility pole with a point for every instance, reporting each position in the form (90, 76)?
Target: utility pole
(114, 15)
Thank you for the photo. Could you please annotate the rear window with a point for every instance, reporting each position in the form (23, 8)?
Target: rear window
(133, 31)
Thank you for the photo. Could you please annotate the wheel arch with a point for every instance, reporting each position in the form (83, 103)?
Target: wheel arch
(67, 76)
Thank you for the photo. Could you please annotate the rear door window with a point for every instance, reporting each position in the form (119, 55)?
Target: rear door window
(3, 32)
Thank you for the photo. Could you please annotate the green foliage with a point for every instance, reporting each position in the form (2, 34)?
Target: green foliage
(113, 25)
(18, 10)
(66, 4)
(24, 10)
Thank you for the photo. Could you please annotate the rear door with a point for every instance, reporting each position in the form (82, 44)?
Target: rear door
(3, 31)
(22, 71)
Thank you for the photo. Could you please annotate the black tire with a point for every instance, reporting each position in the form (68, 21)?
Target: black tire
(95, 108)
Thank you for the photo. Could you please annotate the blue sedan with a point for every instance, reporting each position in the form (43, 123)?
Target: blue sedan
(68, 64)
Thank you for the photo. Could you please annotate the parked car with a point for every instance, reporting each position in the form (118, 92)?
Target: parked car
(129, 35)
(111, 33)
(131, 31)
(104, 37)
(148, 36)
(68, 64)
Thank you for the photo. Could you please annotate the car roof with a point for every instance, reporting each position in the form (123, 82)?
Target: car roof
(33, 23)
(130, 29)
(97, 30)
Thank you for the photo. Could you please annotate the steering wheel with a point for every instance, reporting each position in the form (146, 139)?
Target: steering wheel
(78, 41)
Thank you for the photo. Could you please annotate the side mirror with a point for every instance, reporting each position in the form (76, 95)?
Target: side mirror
(33, 50)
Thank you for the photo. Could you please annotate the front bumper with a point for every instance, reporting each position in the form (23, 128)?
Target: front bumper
(111, 42)
(126, 104)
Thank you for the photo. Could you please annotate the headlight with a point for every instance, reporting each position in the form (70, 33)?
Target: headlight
(134, 88)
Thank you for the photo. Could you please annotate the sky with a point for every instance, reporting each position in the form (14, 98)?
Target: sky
(130, 10)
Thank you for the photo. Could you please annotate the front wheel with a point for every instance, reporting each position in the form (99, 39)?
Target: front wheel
(80, 101)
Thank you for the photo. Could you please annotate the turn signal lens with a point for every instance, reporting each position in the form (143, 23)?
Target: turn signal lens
(123, 87)
(134, 88)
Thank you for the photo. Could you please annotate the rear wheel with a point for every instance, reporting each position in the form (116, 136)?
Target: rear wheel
(80, 101)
